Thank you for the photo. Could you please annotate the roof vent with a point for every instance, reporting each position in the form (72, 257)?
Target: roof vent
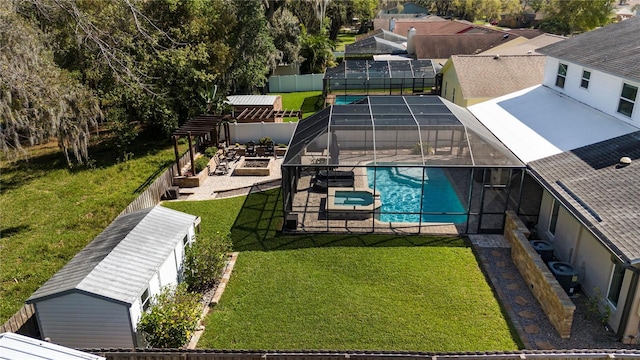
(496, 56)
(624, 161)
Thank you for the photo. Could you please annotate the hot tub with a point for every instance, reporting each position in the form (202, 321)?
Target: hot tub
(349, 203)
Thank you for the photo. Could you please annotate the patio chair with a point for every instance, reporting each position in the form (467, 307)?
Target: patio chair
(250, 149)
(222, 167)
(269, 149)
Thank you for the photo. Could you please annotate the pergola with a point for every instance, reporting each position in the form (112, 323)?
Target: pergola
(267, 114)
(202, 126)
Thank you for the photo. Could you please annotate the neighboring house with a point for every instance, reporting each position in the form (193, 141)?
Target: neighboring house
(572, 131)
(624, 13)
(443, 46)
(408, 8)
(96, 300)
(471, 79)
(523, 45)
(20, 347)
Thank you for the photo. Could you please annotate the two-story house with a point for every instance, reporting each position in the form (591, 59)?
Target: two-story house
(579, 135)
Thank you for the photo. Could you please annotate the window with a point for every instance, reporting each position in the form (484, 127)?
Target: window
(627, 99)
(553, 221)
(144, 300)
(615, 284)
(562, 75)
(586, 75)
(445, 89)
(453, 97)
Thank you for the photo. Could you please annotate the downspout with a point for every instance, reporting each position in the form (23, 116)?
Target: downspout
(631, 294)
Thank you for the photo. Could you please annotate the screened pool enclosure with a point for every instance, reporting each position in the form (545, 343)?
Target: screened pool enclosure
(410, 164)
(387, 77)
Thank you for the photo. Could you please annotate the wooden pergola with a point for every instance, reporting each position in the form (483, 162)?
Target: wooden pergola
(200, 126)
(267, 114)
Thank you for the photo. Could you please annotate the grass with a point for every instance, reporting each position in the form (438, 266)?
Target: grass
(50, 212)
(344, 39)
(345, 292)
(304, 100)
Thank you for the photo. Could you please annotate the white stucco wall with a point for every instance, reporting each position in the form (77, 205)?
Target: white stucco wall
(603, 93)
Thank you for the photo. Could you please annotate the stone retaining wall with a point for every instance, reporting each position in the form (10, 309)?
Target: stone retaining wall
(546, 289)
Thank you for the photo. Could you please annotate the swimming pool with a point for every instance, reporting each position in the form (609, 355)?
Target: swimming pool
(347, 99)
(402, 189)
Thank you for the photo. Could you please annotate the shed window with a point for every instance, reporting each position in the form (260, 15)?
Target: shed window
(144, 300)
(615, 284)
(453, 97)
(586, 76)
(562, 75)
(627, 99)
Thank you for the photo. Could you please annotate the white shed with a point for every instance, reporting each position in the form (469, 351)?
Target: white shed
(96, 300)
(20, 347)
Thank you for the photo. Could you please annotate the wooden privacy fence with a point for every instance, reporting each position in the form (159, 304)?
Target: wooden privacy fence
(268, 355)
(17, 323)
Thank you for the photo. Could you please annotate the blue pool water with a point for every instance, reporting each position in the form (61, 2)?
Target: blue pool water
(355, 198)
(347, 99)
(401, 189)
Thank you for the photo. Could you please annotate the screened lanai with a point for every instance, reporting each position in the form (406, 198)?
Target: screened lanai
(384, 42)
(369, 77)
(410, 164)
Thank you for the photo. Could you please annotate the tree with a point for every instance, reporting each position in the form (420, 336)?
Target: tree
(285, 31)
(37, 99)
(255, 55)
(318, 53)
(573, 16)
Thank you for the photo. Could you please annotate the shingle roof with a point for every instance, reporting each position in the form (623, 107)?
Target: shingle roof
(426, 27)
(613, 49)
(119, 262)
(604, 196)
(443, 46)
(488, 76)
(525, 46)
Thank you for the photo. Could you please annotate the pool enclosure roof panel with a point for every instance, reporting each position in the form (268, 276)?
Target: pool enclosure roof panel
(371, 69)
(411, 130)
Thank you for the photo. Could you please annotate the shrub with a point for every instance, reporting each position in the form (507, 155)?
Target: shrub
(172, 318)
(264, 140)
(211, 151)
(201, 163)
(204, 260)
(426, 148)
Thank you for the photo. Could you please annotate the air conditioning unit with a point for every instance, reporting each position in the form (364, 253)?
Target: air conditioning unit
(543, 248)
(566, 275)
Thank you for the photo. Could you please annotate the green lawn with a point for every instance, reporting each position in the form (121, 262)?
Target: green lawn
(50, 212)
(304, 100)
(344, 39)
(339, 292)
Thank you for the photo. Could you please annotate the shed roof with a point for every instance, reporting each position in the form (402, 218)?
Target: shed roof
(489, 76)
(603, 195)
(613, 49)
(20, 347)
(538, 122)
(251, 100)
(119, 262)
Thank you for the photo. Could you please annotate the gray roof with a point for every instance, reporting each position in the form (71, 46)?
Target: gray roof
(604, 196)
(119, 262)
(613, 49)
(20, 347)
(252, 100)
